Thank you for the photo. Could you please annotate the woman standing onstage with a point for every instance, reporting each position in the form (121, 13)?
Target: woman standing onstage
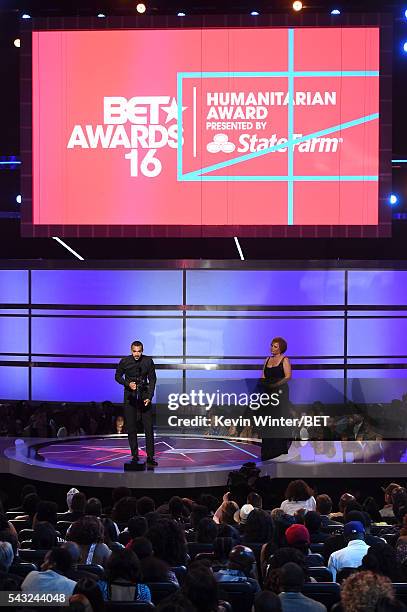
(276, 374)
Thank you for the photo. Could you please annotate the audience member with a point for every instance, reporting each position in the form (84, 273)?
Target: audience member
(76, 504)
(90, 589)
(353, 553)
(361, 591)
(88, 533)
(124, 577)
(169, 543)
(324, 507)
(266, 601)
(298, 495)
(292, 600)
(343, 502)
(8, 532)
(387, 510)
(240, 567)
(313, 522)
(51, 579)
(207, 531)
(258, 528)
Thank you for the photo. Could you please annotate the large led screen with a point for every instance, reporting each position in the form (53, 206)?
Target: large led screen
(223, 129)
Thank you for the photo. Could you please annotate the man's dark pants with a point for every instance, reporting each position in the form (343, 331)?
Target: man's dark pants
(134, 412)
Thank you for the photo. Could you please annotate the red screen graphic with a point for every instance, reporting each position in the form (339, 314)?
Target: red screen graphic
(279, 127)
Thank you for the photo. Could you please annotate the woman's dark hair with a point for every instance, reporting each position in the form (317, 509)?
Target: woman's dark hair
(280, 558)
(381, 558)
(87, 530)
(198, 512)
(30, 503)
(313, 521)
(44, 536)
(176, 507)
(177, 602)
(154, 570)
(283, 347)
(298, 490)
(210, 501)
(266, 601)
(144, 506)
(124, 509)
(168, 540)
(370, 506)
(47, 511)
(123, 564)
(137, 526)
(90, 589)
(201, 588)
(207, 531)
(399, 497)
(93, 507)
(78, 502)
(110, 534)
(142, 547)
(259, 527)
(222, 548)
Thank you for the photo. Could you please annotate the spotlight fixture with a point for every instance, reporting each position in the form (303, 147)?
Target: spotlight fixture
(254, 13)
(393, 199)
(17, 43)
(297, 5)
(18, 199)
(335, 12)
(101, 15)
(181, 14)
(405, 46)
(25, 16)
(141, 7)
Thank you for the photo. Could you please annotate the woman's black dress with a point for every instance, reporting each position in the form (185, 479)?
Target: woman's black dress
(273, 447)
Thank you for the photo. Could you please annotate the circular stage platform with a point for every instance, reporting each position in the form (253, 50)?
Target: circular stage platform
(99, 461)
(187, 462)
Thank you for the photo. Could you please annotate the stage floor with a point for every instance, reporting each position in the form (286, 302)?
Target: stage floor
(187, 462)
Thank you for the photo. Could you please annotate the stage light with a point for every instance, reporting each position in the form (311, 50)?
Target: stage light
(18, 199)
(101, 15)
(25, 16)
(141, 7)
(17, 43)
(180, 14)
(254, 13)
(405, 13)
(405, 46)
(297, 5)
(335, 12)
(393, 199)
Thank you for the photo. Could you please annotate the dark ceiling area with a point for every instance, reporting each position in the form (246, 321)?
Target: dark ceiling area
(13, 246)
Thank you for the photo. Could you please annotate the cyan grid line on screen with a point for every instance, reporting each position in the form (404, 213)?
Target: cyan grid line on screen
(290, 178)
(197, 174)
(290, 150)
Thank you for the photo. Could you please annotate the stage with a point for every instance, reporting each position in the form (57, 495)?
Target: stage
(188, 462)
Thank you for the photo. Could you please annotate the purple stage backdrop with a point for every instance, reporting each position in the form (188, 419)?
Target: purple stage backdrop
(63, 331)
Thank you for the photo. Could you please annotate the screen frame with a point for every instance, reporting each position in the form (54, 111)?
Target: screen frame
(382, 229)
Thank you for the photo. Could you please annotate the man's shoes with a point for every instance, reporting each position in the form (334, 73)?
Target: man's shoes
(135, 459)
(151, 463)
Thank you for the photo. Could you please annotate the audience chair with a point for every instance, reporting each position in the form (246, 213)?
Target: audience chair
(327, 593)
(321, 574)
(161, 590)
(240, 595)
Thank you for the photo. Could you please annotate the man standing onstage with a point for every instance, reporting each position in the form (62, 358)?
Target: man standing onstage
(139, 385)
